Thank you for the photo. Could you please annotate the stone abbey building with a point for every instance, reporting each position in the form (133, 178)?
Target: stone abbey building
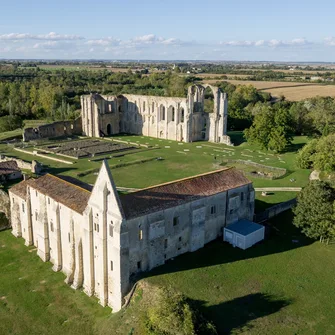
(99, 238)
(179, 119)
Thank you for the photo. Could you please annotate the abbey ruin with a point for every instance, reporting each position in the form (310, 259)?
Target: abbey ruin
(178, 119)
(101, 239)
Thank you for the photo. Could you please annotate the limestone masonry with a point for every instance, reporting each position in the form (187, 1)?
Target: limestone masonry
(179, 119)
(100, 239)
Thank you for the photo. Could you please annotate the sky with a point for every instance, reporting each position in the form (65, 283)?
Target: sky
(239, 30)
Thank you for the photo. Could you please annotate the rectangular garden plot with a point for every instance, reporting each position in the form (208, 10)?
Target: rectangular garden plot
(87, 148)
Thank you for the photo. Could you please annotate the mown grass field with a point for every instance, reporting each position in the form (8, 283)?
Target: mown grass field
(285, 285)
(179, 160)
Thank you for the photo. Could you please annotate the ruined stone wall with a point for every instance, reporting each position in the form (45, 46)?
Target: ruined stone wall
(55, 129)
(5, 215)
(34, 166)
(179, 119)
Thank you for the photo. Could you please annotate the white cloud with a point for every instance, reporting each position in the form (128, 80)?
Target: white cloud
(270, 43)
(49, 36)
(330, 41)
(104, 41)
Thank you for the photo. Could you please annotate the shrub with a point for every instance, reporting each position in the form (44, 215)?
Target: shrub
(172, 313)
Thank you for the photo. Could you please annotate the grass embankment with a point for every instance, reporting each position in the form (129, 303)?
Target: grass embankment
(285, 285)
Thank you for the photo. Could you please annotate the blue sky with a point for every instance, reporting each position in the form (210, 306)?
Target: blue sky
(296, 30)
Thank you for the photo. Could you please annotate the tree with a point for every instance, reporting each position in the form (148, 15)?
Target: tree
(324, 158)
(318, 154)
(303, 122)
(10, 122)
(305, 157)
(271, 129)
(314, 212)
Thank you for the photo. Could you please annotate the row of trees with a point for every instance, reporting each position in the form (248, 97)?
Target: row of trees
(32, 93)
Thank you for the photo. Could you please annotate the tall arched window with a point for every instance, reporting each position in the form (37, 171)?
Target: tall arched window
(182, 115)
(162, 113)
(143, 106)
(153, 108)
(173, 114)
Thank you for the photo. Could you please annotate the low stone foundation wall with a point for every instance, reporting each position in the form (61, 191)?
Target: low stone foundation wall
(275, 210)
(280, 172)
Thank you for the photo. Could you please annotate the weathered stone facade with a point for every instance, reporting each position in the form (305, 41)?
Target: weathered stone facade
(99, 238)
(179, 119)
(55, 129)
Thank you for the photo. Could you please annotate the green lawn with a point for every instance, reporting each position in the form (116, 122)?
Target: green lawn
(180, 160)
(285, 285)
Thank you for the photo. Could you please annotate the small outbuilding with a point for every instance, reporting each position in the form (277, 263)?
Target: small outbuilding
(9, 170)
(244, 234)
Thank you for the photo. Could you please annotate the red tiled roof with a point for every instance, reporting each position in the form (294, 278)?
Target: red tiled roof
(67, 193)
(172, 194)
(20, 189)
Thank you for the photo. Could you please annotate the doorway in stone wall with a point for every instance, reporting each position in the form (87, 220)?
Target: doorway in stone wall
(109, 129)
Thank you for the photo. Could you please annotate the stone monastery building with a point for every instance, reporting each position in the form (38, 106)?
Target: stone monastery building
(99, 238)
(179, 119)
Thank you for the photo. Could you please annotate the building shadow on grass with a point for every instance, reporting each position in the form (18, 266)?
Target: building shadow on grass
(281, 236)
(55, 170)
(238, 314)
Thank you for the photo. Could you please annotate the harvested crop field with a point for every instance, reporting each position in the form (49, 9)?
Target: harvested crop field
(293, 91)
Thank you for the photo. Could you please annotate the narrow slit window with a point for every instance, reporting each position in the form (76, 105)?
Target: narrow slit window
(112, 266)
(213, 210)
(140, 234)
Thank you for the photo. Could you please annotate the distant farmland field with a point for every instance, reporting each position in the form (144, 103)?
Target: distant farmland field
(293, 91)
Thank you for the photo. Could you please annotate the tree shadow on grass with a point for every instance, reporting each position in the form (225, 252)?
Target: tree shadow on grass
(237, 137)
(294, 147)
(238, 314)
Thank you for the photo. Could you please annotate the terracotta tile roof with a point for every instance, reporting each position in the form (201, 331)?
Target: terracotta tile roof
(65, 192)
(8, 167)
(181, 191)
(20, 189)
